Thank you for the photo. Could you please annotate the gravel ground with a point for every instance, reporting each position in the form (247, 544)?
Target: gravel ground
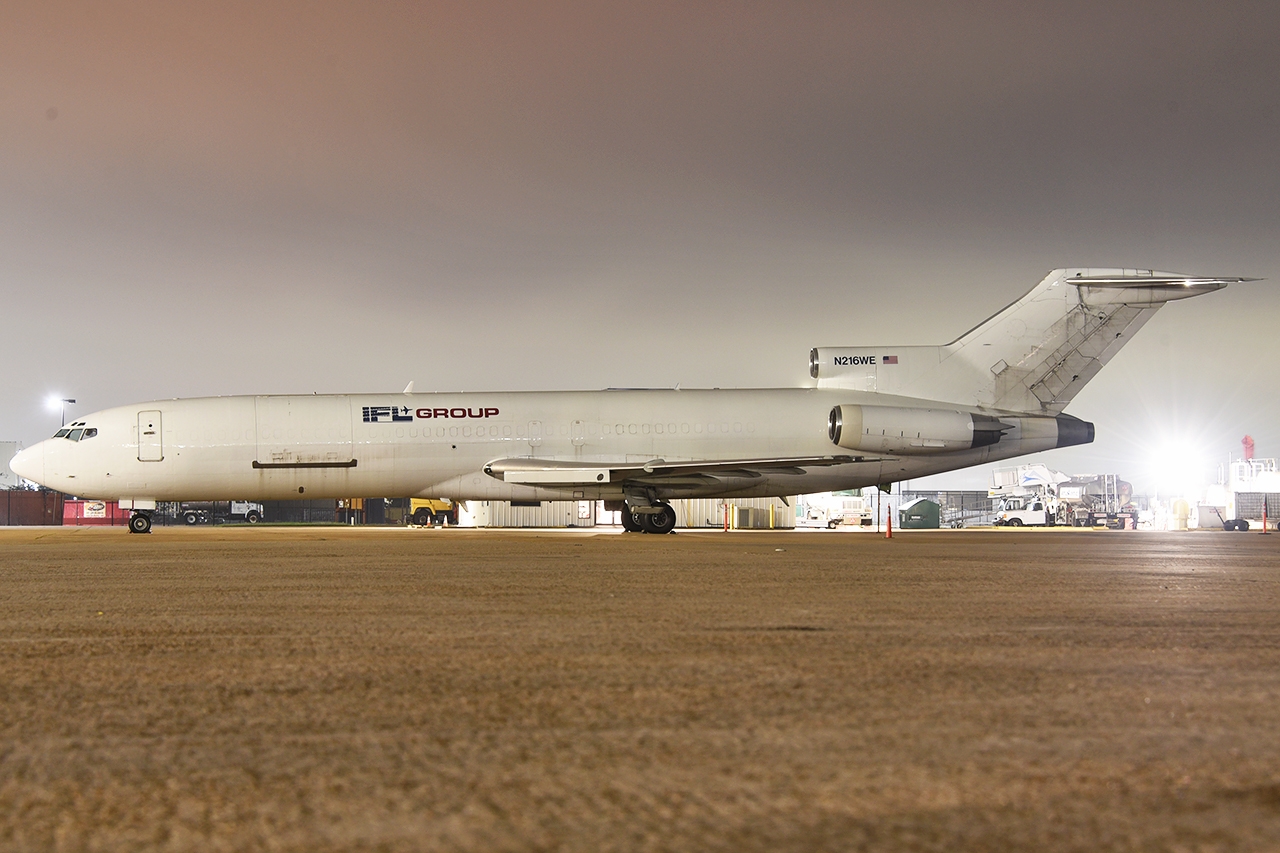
(331, 689)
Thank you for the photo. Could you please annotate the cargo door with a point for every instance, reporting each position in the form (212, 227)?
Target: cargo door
(150, 436)
(303, 432)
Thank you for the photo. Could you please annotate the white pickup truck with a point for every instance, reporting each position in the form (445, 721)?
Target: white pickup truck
(1026, 512)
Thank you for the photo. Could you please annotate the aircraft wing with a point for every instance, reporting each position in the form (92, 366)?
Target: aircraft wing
(568, 472)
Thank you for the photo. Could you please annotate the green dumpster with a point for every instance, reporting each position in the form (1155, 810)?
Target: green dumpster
(919, 514)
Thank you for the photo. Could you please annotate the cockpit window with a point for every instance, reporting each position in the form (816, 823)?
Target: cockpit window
(75, 434)
(62, 433)
(89, 433)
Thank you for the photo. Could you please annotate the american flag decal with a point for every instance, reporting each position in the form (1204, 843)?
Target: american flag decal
(889, 359)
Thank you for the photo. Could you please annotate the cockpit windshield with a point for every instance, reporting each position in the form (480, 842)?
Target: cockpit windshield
(76, 432)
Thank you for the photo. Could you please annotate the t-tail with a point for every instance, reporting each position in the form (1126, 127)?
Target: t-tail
(1032, 357)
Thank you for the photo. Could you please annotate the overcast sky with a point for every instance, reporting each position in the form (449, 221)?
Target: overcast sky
(258, 197)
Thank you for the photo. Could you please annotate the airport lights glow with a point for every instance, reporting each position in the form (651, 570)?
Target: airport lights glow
(60, 403)
(1180, 468)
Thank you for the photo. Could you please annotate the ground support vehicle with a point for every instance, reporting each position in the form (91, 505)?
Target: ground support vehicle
(834, 509)
(1221, 513)
(1024, 496)
(1035, 511)
(1124, 519)
(217, 512)
(813, 516)
(1032, 495)
(432, 511)
(1098, 500)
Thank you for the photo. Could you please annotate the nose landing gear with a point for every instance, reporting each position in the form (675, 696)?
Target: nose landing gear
(139, 522)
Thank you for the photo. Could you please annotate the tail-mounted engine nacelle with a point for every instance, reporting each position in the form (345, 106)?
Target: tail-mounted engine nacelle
(892, 429)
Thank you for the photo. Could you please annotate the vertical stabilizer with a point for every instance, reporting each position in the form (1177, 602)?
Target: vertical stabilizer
(1034, 356)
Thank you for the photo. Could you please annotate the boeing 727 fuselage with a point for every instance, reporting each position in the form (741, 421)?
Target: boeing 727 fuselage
(877, 415)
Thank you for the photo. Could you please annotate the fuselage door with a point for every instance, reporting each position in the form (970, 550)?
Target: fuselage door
(150, 436)
(304, 432)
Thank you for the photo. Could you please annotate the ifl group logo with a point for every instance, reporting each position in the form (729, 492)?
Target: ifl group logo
(401, 414)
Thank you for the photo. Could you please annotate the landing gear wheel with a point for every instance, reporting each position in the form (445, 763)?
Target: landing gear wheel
(659, 522)
(629, 522)
(189, 518)
(140, 522)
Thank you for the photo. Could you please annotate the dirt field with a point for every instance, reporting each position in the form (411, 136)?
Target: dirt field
(331, 689)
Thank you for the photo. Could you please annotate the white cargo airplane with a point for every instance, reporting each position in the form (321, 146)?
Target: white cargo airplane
(877, 415)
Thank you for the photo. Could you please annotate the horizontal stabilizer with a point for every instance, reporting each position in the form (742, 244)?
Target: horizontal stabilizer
(1147, 287)
(1158, 279)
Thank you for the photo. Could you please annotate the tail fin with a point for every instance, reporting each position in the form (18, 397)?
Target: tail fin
(1034, 356)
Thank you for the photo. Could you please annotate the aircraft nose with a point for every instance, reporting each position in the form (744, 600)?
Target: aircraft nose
(29, 463)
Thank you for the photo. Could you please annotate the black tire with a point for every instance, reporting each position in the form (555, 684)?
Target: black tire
(191, 518)
(1242, 525)
(422, 517)
(831, 525)
(252, 516)
(1014, 522)
(629, 522)
(659, 522)
(140, 522)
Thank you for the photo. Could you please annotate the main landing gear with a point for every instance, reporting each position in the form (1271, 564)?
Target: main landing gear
(630, 523)
(658, 518)
(139, 522)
